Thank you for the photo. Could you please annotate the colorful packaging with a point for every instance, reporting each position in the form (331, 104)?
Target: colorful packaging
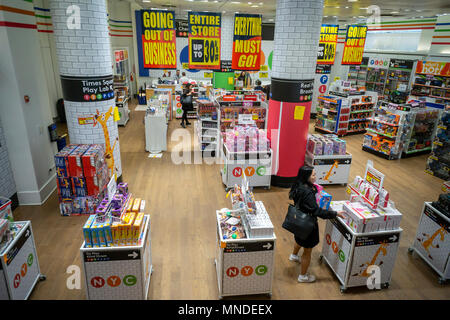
(327, 147)
(325, 200)
(136, 205)
(137, 227)
(79, 187)
(61, 162)
(99, 232)
(87, 231)
(64, 187)
(92, 160)
(116, 233)
(74, 160)
(130, 204)
(142, 207)
(66, 206)
(108, 232)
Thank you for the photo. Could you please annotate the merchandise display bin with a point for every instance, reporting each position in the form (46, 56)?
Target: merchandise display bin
(124, 112)
(330, 169)
(19, 265)
(257, 167)
(432, 241)
(119, 273)
(350, 254)
(244, 266)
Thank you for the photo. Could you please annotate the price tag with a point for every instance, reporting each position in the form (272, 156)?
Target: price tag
(325, 111)
(245, 119)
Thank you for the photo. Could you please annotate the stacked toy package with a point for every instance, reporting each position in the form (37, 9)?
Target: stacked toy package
(327, 145)
(118, 221)
(82, 176)
(438, 162)
(245, 139)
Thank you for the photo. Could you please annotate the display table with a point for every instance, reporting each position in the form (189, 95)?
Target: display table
(350, 254)
(432, 241)
(119, 273)
(330, 169)
(257, 166)
(19, 265)
(124, 112)
(155, 132)
(245, 266)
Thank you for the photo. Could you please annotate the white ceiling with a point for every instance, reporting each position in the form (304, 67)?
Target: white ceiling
(345, 11)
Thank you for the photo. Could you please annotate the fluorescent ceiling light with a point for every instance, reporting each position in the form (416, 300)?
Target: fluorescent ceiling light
(235, 2)
(337, 7)
(394, 11)
(146, 1)
(325, 16)
(352, 0)
(255, 6)
(260, 3)
(346, 7)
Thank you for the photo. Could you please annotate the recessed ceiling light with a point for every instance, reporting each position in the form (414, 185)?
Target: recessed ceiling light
(325, 16)
(352, 0)
(346, 7)
(145, 0)
(235, 2)
(260, 3)
(249, 2)
(418, 10)
(394, 11)
(337, 7)
(255, 6)
(270, 19)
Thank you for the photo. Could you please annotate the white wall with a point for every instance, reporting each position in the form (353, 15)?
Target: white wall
(7, 184)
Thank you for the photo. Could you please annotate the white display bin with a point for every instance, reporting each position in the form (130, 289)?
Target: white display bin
(19, 265)
(119, 273)
(256, 165)
(155, 132)
(350, 254)
(244, 266)
(124, 112)
(330, 169)
(432, 241)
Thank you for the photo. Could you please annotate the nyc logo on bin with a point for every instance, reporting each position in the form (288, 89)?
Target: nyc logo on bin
(335, 248)
(113, 281)
(247, 271)
(249, 171)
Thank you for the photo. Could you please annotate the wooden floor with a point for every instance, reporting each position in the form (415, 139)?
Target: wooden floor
(182, 200)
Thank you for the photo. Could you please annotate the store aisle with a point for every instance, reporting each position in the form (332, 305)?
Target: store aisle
(182, 200)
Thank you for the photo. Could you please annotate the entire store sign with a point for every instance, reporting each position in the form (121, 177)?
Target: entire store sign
(327, 44)
(158, 39)
(204, 40)
(247, 42)
(434, 68)
(354, 44)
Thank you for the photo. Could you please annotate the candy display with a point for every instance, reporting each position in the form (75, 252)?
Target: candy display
(82, 176)
(242, 199)
(231, 224)
(246, 138)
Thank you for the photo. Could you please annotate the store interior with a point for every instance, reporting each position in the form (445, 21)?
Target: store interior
(383, 118)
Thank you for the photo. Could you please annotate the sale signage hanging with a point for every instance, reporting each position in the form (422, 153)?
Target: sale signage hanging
(354, 44)
(434, 68)
(204, 40)
(327, 44)
(158, 39)
(247, 42)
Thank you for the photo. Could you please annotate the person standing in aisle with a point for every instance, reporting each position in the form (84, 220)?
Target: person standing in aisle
(303, 192)
(258, 85)
(186, 104)
(183, 78)
(177, 76)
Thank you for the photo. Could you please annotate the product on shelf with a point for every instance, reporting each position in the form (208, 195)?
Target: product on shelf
(328, 144)
(438, 162)
(231, 225)
(82, 176)
(245, 139)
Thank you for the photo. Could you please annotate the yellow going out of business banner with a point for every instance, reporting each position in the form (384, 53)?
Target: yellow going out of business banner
(327, 44)
(354, 44)
(158, 39)
(204, 40)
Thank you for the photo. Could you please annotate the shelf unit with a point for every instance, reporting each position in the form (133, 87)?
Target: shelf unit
(434, 87)
(207, 126)
(438, 163)
(400, 72)
(343, 113)
(401, 130)
(357, 74)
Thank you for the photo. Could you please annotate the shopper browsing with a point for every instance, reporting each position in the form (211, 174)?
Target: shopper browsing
(303, 192)
(177, 75)
(183, 78)
(258, 86)
(186, 104)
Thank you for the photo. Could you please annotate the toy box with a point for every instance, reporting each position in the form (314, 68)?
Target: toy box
(61, 162)
(107, 232)
(130, 205)
(64, 187)
(137, 227)
(116, 233)
(74, 160)
(360, 218)
(79, 187)
(92, 160)
(324, 200)
(87, 231)
(136, 205)
(142, 206)
(98, 234)
(391, 218)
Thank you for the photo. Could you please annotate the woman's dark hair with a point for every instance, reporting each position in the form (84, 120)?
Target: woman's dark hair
(302, 180)
(258, 82)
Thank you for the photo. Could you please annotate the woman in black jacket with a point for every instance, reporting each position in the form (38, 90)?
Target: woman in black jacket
(186, 104)
(303, 192)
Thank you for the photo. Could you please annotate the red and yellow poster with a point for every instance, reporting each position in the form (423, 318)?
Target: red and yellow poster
(434, 68)
(158, 39)
(327, 44)
(354, 44)
(247, 42)
(204, 40)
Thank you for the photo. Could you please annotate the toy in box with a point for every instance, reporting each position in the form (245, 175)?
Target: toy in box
(64, 186)
(324, 200)
(5, 209)
(87, 231)
(79, 187)
(93, 159)
(74, 160)
(61, 162)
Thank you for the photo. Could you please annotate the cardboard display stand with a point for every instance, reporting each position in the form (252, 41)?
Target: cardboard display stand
(350, 255)
(257, 167)
(330, 169)
(119, 273)
(244, 266)
(432, 241)
(19, 265)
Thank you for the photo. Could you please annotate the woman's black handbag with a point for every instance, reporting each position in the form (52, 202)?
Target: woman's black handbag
(299, 223)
